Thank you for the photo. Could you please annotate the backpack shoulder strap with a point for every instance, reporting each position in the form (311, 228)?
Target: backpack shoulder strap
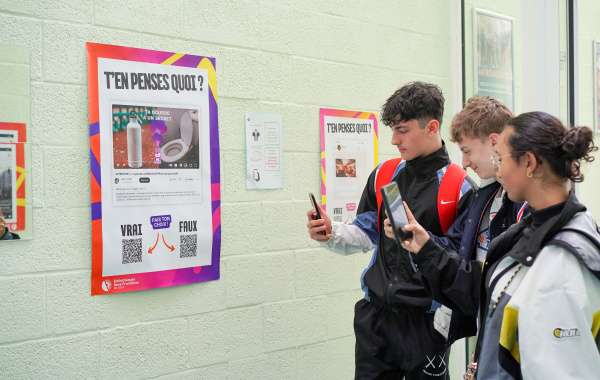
(582, 244)
(384, 175)
(449, 194)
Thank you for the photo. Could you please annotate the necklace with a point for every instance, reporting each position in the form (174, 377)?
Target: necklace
(494, 303)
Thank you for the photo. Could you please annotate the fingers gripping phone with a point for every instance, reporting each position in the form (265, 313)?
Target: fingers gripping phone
(395, 211)
(317, 215)
(394, 208)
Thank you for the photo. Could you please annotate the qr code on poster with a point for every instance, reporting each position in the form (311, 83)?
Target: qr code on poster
(131, 250)
(188, 245)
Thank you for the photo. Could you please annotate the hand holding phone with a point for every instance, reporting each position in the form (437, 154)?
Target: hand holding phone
(411, 235)
(313, 200)
(394, 207)
(319, 225)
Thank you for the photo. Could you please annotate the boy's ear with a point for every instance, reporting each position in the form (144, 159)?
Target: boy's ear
(493, 137)
(433, 126)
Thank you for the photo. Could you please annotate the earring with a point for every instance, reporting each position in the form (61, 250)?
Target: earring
(529, 175)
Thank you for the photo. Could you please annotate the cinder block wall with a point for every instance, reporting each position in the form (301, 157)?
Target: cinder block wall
(283, 307)
(14, 93)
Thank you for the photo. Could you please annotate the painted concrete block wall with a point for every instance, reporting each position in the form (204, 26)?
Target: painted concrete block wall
(588, 13)
(14, 92)
(283, 307)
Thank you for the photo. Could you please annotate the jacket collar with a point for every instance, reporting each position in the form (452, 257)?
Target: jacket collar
(426, 166)
(539, 217)
(489, 188)
(486, 182)
(525, 241)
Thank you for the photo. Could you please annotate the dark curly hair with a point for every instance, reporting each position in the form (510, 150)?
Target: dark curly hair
(550, 141)
(415, 100)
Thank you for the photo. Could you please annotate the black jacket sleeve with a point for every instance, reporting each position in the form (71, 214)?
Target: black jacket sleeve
(451, 279)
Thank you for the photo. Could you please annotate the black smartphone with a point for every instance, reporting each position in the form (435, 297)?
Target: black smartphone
(395, 211)
(313, 200)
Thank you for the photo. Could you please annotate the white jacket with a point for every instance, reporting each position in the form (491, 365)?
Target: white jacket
(548, 321)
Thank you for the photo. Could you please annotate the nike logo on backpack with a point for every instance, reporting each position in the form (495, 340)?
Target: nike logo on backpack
(446, 202)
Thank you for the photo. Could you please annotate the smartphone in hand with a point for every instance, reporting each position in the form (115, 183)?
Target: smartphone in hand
(394, 207)
(313, 200)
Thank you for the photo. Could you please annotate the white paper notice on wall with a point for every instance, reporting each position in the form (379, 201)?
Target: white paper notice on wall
(264, 151)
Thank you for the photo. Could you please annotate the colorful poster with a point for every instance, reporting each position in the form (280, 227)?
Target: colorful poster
(349, 152)
(154, 168)
(494, 56)
(12, 175)
(264, 151)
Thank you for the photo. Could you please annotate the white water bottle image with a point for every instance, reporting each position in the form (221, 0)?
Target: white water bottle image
(134, 143)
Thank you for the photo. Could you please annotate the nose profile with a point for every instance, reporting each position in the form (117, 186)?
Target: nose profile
(396, 139)
(465, 161)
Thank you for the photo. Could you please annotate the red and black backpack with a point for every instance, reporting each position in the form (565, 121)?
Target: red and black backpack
(448, 192)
